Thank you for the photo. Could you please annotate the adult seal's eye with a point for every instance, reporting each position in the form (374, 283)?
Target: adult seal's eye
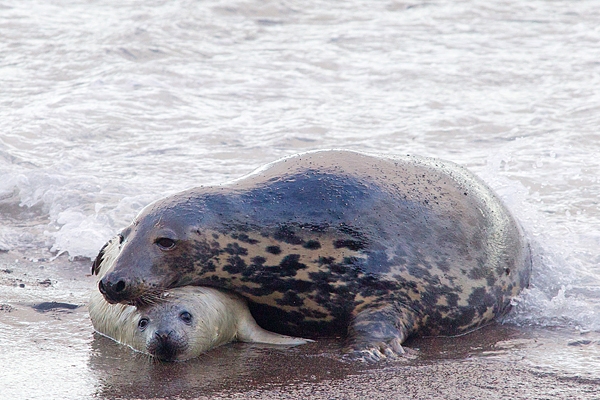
(143, 323)
(165, 243)
(186, 317)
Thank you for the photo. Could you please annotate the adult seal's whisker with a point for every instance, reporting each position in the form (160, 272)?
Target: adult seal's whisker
(150, 298)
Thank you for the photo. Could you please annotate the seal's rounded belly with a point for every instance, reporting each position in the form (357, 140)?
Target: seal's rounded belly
(335, 243)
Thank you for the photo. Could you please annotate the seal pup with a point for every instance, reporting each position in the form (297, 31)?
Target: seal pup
(185, 323)
(332, 243)
(182, 323)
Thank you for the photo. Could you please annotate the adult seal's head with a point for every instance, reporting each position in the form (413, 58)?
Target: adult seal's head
(334, 243)
(161, 234)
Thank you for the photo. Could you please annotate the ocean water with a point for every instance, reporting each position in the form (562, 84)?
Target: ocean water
(108, 105)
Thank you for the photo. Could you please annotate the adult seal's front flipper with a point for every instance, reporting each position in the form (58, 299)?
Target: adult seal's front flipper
(378, 333)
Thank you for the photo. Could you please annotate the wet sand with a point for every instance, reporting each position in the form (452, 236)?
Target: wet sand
(48, 350)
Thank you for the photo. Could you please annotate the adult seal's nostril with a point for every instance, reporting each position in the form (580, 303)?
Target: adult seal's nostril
(120, 286)
(112, 292)
(101, 288)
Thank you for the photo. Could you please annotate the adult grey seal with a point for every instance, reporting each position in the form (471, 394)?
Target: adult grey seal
(335, 243)
(182, 323)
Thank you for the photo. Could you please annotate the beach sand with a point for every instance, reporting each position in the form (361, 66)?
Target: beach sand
(48, 350)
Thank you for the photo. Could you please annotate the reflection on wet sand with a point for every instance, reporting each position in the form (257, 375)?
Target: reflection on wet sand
(241, 367)
(234, 367)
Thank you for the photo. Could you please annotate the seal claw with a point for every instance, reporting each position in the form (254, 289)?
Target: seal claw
(377, 351)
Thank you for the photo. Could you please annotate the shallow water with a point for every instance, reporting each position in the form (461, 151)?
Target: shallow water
(106, 106)
(54, 354)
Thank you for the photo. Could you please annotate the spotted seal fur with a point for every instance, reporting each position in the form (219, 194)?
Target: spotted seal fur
(335, 243)
(182, 323)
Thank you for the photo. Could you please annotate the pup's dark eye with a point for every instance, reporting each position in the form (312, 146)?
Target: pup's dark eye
(186, 317)
(165, 243)
(143, 323)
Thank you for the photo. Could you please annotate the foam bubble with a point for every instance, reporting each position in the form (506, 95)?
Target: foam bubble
(568, 307)
(559, 278)
(80, 235)
(69, 213)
